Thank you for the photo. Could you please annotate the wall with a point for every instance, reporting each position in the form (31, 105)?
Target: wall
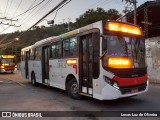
(153, 59)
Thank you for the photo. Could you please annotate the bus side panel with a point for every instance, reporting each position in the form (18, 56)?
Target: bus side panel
(55, 75)
(70, 70)
(37, 68)
(23, 69)
(30, 67)
(58, 72)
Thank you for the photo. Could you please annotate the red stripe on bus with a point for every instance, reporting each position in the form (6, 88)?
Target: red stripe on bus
(76, 68)
(130, 81)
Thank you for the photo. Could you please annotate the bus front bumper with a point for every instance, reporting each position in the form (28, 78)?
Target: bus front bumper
(109, 92)
(7, 71)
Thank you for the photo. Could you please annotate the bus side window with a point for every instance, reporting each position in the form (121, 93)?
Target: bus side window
(70, 47)
(73, 47)
(53, 47)
(58, 49)
(22, 56)
(37, 53)
(66, 48)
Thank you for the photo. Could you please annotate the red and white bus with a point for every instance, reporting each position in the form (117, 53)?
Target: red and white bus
(7, 64)
(104, 60)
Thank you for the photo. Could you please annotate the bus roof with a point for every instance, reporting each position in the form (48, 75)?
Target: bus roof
(72, 33)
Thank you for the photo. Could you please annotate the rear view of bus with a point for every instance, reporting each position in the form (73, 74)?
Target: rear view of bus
(123, 60)
(7, 64)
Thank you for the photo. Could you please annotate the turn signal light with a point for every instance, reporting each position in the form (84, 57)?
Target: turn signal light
(71, 61)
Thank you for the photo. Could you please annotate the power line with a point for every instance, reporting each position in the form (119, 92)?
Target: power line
(56, 7)
(6, 7)
(30, 9)
(86, 8)
(60, 8)
(17, 8)
(104, 3)
(9, 7)
(10, 26)
(42, 7)
(15, 17)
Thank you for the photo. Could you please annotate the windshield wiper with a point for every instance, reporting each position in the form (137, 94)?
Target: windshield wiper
(105, 52)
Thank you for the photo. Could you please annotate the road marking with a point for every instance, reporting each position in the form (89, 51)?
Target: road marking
(14, 81)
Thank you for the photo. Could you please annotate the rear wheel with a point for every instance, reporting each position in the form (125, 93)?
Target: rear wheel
(33, 79)
(73, 89)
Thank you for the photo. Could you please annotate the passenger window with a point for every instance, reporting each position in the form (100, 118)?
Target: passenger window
(56, 51)
(37, 53)
(66, 48)
(73, 47)
(70, 47)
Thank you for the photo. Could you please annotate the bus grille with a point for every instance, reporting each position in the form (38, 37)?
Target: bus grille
(127, 90)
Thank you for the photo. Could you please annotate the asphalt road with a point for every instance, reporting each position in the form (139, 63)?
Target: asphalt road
(17, 94)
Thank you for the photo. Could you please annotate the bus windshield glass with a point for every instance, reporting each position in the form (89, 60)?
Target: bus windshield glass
(7, 60)
(124, 51)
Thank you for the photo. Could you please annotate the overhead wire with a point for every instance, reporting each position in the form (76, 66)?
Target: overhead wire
(10, 26)
(104, 3)
(29, 18)
(30, 9)
(60, 8)
(86, 8)
(23, 12)
(9, 7)
(17, 8)
(56, 7)
(6, 7)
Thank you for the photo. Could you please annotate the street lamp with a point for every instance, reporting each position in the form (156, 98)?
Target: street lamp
(17, 39)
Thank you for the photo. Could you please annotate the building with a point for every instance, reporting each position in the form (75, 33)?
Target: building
(148, 17)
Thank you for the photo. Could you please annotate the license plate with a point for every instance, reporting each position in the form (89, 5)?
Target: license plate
(134, 90)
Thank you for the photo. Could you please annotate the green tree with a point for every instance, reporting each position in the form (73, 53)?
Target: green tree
(92, 16)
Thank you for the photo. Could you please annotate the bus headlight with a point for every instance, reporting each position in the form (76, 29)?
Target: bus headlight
(111, 82)
(2, 67)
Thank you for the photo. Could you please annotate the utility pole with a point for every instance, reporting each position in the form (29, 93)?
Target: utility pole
(134, 2)
(145, 22)
(69, 24)
(135, 11)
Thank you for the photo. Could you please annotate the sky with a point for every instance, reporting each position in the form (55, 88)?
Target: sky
(12, 8)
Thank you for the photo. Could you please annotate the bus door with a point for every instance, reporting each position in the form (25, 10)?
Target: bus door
(85, 63)
(45, 65)
(26, 64)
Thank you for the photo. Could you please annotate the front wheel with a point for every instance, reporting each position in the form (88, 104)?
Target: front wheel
(33, 79)
(73, 89)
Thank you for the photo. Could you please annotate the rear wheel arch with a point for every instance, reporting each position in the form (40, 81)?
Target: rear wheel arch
(68, 78)
(72, 87)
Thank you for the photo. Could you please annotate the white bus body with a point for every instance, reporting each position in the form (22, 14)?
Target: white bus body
(74, 62)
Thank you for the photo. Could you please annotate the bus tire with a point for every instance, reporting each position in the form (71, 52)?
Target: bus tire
(33, 79)
(73, 89)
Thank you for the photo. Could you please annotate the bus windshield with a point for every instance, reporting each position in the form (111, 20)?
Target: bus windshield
(7, 61)
(124, 51)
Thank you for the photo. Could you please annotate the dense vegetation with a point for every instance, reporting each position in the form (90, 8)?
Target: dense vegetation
(39, 33)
